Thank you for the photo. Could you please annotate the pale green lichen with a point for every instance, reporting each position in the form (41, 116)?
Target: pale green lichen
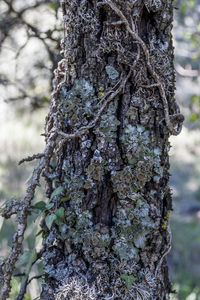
(140, 240)
(125, 250)
(122, 181)
(144, 160)
(95, 170)
(78, 104)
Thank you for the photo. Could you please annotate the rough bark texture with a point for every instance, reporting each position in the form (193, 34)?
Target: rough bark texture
(112, 112)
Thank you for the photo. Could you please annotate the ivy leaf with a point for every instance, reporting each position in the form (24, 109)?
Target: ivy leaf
(49, 205)
(49, 220)
(60, 213)
(57, 191)
(32, 258)
(27, 258)
(41, 205)
(129, 280)
(24, 258)
(15, 288)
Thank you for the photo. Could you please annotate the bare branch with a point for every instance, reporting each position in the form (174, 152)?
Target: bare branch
(31, 158)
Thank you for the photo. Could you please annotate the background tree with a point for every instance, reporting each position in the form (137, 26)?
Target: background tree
(122, 155)
(23, 33)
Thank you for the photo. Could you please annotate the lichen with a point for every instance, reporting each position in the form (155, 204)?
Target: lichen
(112, 72)
(78, 104)
(153, 5)
(95, 170)
(125, 250)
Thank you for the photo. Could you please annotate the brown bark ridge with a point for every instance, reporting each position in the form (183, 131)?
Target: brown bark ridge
(112, 112)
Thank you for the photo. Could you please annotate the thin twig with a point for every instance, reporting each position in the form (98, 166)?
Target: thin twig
(9, 265)
(31, 158)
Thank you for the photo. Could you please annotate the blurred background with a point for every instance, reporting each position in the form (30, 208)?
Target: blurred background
(30, 31)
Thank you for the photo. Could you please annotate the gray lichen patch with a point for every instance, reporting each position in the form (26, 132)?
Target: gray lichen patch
(79, 103)
(153, 5)
(125, 250)
(112, 72)
(95, 169)
(122, 182)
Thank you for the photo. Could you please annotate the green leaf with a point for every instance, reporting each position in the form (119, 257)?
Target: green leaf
(27, 297)
(183, 8)
(196, 100)
(193, 117)
(49, 205)
(39, 232)
(57, 191)
(53, 6)
(60, 213)
(15, 288)
(129, 280)
(27, 258)
(41, 205)
(49, 220)
(64, 199)
(24, 258)
(32, 258)
(192, 3)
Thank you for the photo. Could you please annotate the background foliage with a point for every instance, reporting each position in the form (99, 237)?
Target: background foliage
(29, 50)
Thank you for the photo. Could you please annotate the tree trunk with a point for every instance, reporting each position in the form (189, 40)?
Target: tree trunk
(112, 111)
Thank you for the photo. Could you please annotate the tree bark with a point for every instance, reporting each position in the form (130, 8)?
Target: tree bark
(112, 112)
